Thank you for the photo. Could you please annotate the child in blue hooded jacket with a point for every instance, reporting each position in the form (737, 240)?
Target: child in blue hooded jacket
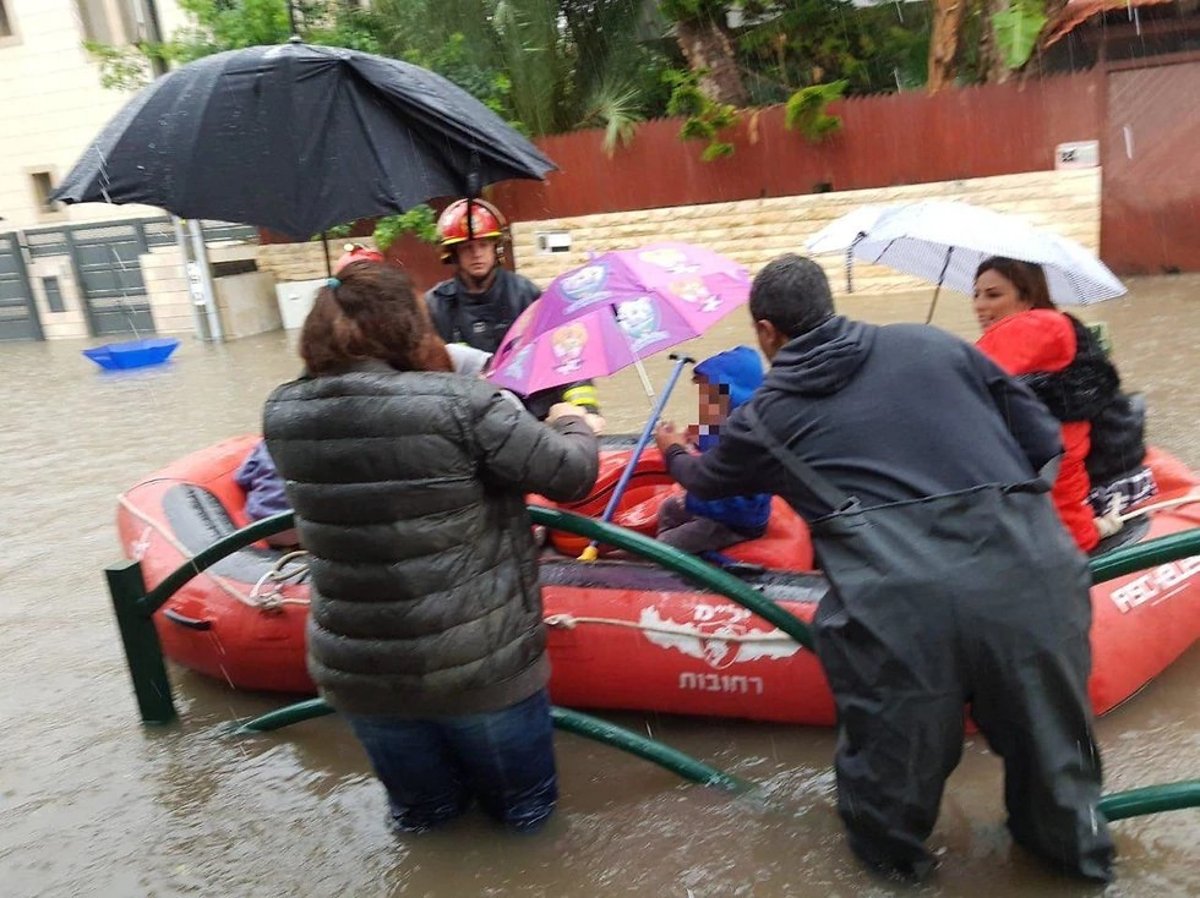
(725, 381)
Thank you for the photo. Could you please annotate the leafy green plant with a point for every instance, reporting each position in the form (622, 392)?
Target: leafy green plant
(616, 107)
(458, 61)
(705, 119)
(121, 68)
(808, 110)
(1016, 30)
(420, 221)
(337, 232)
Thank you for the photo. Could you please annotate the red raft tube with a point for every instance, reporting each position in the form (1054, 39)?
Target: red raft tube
(623, 634)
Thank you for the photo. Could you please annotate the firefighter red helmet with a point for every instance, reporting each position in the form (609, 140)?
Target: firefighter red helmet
(486, 224)
(356, 252)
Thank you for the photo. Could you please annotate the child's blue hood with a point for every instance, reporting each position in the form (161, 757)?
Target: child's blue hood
(739, 368)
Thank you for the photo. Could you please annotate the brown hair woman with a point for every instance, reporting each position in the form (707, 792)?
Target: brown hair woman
(408, 484)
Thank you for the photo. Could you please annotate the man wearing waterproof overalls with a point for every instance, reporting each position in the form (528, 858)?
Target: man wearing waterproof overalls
(479, 304)
(951, 580)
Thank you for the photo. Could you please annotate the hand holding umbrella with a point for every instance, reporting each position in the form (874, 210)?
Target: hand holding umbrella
(614, 311)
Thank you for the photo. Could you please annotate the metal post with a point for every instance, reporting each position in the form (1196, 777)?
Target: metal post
(20, 249)
(158, 65)
(210, 300)
(185, 260)
(143, 652)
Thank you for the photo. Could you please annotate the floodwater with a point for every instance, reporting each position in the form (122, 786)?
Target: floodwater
(91, 803)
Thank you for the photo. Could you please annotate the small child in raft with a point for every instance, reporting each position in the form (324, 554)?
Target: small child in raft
(724, 381)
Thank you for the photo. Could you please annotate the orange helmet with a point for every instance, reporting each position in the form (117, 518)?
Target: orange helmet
(453, 228)
(356, 252)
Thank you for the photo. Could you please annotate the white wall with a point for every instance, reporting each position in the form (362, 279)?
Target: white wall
(52, 105)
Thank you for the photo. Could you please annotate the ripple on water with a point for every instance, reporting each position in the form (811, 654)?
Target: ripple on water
(94, 804)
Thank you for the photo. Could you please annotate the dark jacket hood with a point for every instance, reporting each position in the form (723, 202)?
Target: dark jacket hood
(824, 360)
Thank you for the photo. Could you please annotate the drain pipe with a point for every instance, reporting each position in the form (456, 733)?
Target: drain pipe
(204, 273)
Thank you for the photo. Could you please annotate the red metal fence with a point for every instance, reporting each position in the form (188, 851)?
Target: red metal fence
(1151, 199)
(886, 140)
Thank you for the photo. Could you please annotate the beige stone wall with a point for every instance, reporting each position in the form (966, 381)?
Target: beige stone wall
(301, 261)
(167, 291)
(171, 301)
(755, 231)
(246, 304)
(71, 323)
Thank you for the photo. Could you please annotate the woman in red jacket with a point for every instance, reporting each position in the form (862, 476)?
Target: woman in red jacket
(1102, 470)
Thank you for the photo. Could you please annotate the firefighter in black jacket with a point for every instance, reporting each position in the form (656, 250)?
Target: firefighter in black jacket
(479, 304)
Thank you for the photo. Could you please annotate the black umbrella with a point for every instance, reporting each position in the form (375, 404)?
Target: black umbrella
(298, 138)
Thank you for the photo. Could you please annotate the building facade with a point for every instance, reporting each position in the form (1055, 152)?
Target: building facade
(51, 100)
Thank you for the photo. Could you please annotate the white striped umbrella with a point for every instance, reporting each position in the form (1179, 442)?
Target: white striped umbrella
(944, 242)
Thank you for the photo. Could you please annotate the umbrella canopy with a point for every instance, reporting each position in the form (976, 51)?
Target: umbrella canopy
(617, 309)
(298, 138)
(944, 242)
(839, 234)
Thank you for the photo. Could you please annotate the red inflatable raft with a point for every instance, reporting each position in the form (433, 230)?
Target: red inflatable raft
(623, 634)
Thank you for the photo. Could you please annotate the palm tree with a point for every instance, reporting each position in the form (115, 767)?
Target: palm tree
(703, 34)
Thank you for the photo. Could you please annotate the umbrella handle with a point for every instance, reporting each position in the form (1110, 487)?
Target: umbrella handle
(681, 361)
(938, 290)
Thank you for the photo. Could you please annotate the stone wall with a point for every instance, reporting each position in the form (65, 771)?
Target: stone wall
(71, 322)
(755, 231)
(167, 291)
(300, 261)
(171, 302)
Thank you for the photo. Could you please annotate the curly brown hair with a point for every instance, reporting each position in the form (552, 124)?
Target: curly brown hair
(372, 313)
(1028, 278)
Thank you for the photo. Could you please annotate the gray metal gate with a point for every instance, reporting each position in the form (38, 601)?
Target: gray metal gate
(108, 273)
(110, 277)
(18, 312)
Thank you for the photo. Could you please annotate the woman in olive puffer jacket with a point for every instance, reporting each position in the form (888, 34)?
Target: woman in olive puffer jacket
(408, 484)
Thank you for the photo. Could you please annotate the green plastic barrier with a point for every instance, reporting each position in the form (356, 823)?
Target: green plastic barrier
(134, 608)
(1140, 556)
(1151, 800)
(564, 719)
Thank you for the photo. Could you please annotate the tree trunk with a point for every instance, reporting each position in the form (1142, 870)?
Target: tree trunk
(707, 47)
(992, 66)
(943, 43)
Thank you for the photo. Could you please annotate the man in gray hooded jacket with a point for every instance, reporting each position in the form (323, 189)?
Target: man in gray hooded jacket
(859, 428)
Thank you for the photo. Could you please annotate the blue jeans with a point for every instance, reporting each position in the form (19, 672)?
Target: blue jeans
(433, 767)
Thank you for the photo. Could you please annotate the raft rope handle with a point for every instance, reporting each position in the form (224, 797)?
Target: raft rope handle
(186, 554)
(1188, 499)
(279, 578)
(570, 621)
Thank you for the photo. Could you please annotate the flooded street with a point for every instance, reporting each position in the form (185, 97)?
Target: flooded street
(92, 803)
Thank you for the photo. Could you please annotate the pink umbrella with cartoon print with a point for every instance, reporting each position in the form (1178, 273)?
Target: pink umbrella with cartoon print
(614, 311)
(617, 309)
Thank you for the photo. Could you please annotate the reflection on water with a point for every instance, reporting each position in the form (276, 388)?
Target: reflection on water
(94, 804)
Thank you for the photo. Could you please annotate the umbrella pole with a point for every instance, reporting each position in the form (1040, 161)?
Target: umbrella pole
(937, 291)
(681, 361)
(933, 305)
(328, 264)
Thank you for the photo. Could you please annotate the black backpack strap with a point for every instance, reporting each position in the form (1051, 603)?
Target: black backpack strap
(443, 309)
(819, 486)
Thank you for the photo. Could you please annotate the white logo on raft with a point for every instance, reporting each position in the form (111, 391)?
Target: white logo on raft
(719, 635)
(1157, 585)
(721, 683)
(141, 546)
